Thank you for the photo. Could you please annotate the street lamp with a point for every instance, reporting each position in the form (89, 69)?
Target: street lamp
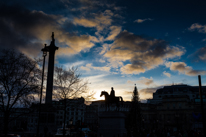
(45, 50)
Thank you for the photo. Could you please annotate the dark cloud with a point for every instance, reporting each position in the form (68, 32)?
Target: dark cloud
(90, 5)
(195, 72)
(126, 40)
(47, 6)
(144, 54)
(20, 27)
(27, 31)
(200, 54)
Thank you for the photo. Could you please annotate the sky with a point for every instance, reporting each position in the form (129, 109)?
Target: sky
(114, 43)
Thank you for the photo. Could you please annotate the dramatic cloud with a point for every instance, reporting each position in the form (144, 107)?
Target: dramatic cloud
(105, 48)
(99, 21)
(20, 28)
(145, 81)
(75, 44)
(198, 27)
(167, 74)
(132, 69)
(181, 67)
(115, 30)
(86, 22)
(144, 54)
(142, 20)
(200, 54)
(29, 30)
(89, 67)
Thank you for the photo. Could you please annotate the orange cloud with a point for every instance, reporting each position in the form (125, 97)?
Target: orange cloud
(115, 30)
(167, 74)
(85, 22)
(75, 44)
(132, 69)
(99, 21)
(89, 67)
(181, 67)
(102, 22)
(143, 54)
(142, 20)
(146, 81)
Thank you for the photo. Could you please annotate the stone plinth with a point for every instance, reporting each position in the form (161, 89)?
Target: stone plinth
(112, 124)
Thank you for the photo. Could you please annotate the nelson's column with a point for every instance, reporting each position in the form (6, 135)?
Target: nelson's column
(49, 88)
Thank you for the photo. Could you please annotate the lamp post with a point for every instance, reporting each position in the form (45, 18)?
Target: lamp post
(44, 55)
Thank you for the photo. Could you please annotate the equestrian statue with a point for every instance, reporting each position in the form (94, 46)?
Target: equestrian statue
(111, 99)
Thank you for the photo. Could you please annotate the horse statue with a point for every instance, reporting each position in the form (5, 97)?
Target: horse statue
(109, 99)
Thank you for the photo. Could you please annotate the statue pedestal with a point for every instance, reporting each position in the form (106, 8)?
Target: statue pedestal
(112, 124)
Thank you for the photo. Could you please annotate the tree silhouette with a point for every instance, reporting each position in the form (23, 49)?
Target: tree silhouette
(134, 118)
(69, 85)
(19, 82)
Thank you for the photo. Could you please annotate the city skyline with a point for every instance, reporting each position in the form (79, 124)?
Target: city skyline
(114, 43)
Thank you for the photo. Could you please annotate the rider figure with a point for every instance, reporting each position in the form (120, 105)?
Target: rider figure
(112, 93)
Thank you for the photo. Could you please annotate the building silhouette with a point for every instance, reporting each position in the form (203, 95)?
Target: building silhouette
(175, 107)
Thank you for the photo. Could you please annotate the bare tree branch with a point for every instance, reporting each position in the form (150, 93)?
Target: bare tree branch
(19, 82)
(69, 85)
